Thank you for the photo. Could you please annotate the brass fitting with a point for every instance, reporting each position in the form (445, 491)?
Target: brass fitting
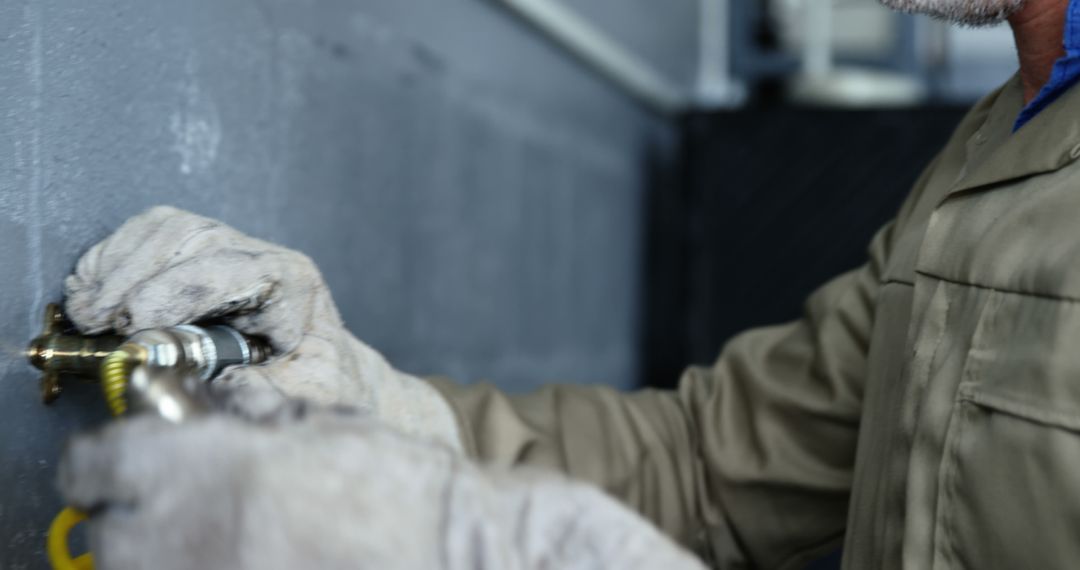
(58, 351)
(164, 368)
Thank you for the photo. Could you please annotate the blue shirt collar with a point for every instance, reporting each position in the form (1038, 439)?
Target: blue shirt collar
(1066, 70)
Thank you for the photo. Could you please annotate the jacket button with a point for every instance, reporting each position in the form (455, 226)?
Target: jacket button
(1075, 152)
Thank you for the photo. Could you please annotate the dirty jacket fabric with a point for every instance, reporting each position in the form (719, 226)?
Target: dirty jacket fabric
(924, 412)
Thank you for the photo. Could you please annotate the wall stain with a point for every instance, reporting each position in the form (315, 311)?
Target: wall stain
(34, 278)
(195, 126)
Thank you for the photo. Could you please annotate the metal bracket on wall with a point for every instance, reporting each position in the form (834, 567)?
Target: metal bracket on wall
(628, 71)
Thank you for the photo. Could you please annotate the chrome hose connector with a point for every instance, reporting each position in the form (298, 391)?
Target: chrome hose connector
(177, 362)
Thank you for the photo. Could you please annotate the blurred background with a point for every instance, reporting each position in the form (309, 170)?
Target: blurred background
(522, 191)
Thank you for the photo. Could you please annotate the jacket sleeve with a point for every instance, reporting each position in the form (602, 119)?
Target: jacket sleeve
(749, 462)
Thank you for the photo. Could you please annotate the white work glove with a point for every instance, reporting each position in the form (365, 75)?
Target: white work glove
(167, 267)
(312, 489)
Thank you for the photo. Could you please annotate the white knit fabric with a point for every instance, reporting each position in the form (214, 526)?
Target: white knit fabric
(329, 491)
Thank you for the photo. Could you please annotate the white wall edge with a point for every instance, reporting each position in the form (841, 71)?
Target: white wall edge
(603, 54)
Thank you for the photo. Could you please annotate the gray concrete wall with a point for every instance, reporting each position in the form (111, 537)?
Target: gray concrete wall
(472, 195)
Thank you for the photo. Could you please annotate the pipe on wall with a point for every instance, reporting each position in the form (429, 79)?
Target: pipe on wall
(716, 86)
(603, 54)
(817, 49)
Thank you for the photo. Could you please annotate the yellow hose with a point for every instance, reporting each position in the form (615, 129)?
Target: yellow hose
(56, 544)
(115, 370)
(114, 378)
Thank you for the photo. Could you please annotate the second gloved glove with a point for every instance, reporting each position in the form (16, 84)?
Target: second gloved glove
(311, 489)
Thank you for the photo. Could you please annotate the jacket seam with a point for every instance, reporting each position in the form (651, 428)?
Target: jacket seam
(945, 516)
(1024, 410)
(954, 281)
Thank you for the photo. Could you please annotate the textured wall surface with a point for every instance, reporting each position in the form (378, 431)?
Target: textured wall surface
(472, 195)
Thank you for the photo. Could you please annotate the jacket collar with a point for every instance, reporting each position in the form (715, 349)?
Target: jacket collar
(1065, 72)
(1048, 142)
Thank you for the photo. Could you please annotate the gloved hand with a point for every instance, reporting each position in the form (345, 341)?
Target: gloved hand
(166, 267)
(321, 490)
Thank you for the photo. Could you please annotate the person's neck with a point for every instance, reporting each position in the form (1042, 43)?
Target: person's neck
(1039, 31)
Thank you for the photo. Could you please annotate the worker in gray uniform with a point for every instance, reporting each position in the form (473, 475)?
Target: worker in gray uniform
(923, 413)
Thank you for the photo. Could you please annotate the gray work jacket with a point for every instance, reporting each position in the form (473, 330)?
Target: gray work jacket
(924, 413)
